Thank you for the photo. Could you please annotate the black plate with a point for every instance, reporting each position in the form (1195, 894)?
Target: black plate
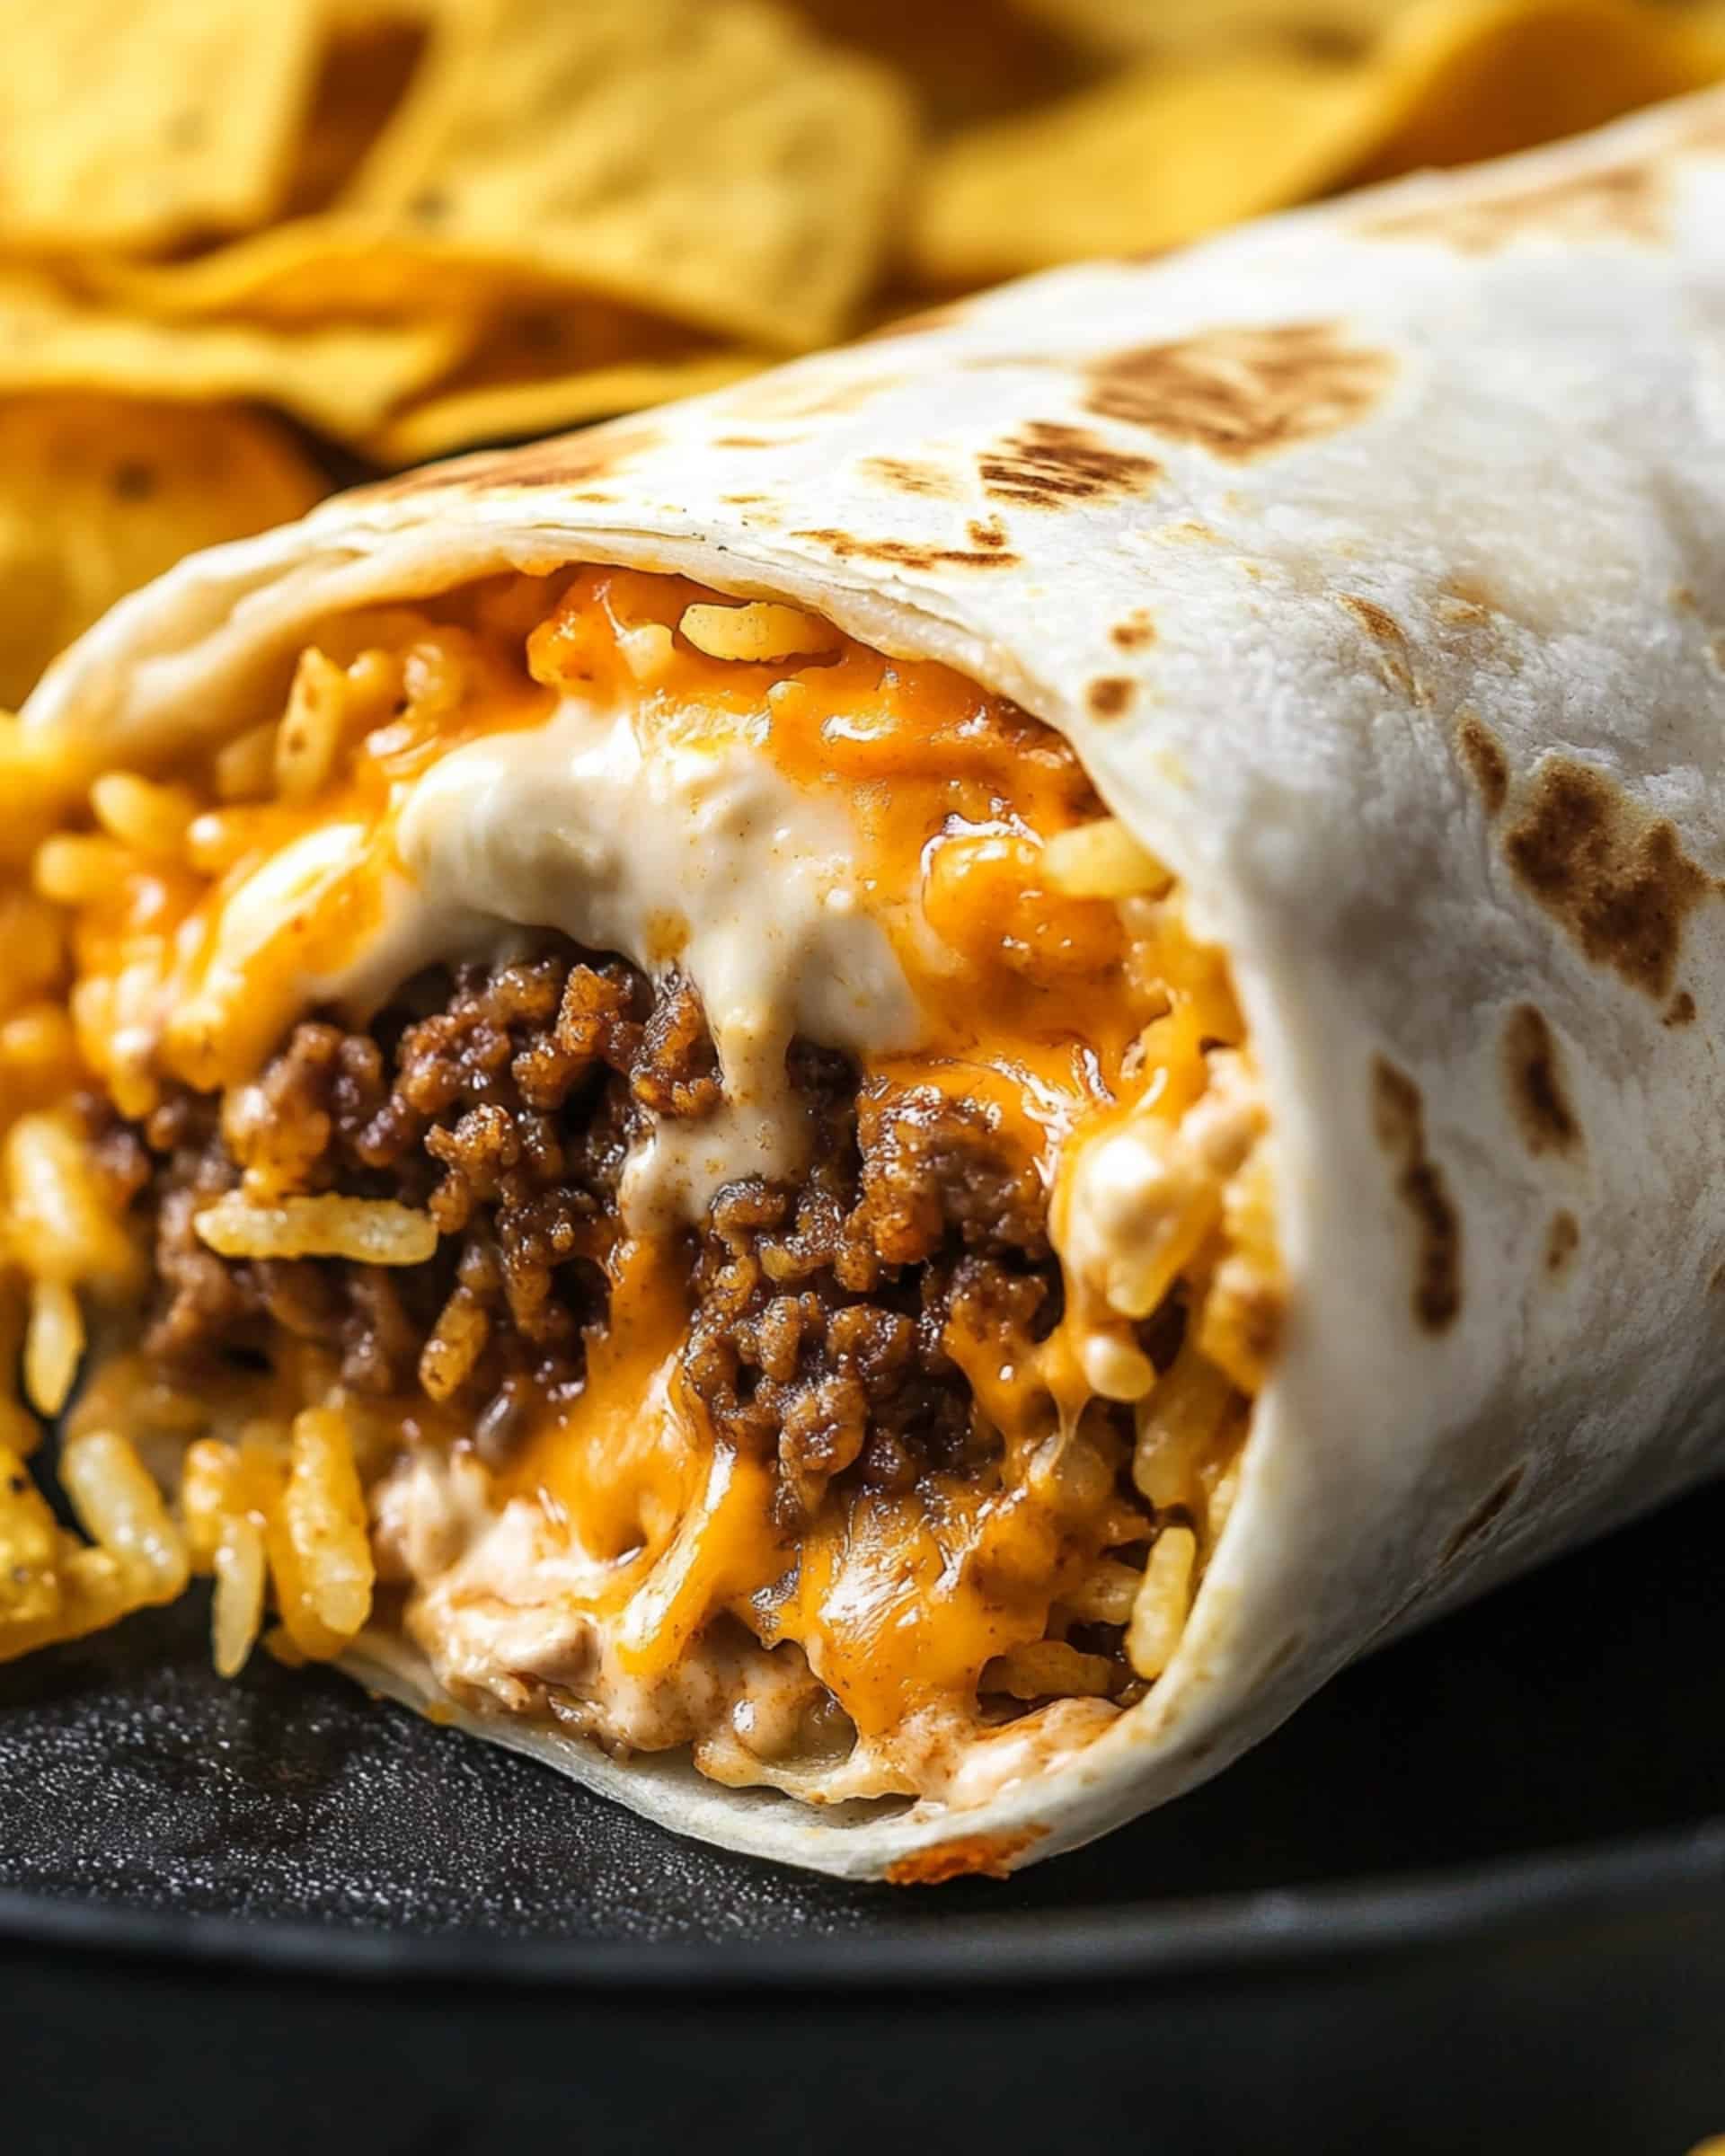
(1475, 1893)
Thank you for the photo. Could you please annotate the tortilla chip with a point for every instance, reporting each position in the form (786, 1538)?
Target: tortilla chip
(1173, 149)
(539, 369)
(130, 127)
(510, 412)
(1144, 26)
(1464, 79)
(968, 63)
(1165, 152)
(314, 269)
(706, 158)
(369, 56)
(98, 495)
(344, 381)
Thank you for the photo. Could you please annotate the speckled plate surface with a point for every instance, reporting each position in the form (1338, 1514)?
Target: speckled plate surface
(1504, 1833)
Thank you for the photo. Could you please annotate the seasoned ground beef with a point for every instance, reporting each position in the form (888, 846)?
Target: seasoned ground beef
(504, 1102)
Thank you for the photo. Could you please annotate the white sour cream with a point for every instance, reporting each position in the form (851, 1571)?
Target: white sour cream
(704, 849)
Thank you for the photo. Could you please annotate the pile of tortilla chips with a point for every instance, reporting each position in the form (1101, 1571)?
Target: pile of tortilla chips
(250, 246)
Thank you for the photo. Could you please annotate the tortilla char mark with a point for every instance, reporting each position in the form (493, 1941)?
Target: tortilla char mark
(1136, 632)
(1562, 1239)
(1707, 133)
(1537, 1094)
(1464, 602)
(1484, 1514)
(1618, 880)
(1623, 202)
(1420, 1184)
(1048, 466)
(1111, 697)
(1487, 765)
(906, 475)
(986, 1856)
(907, 554)
(1244, 394)
(788, 397)
(1385, 632)
(923, 324)
(1681, 1010)
(569, 460)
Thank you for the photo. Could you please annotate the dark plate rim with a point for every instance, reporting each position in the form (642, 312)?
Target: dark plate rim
(1263, 1934)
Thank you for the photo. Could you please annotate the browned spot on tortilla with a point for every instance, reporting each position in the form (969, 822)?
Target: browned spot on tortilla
(1464, 602)
(1561, 1239)
(1681, 1010)
(1708, 132)
(1109, 697)
(987, 531)
(1684, 599)
(923, 324)
(1534, 1073)
(1399, 1113)
(907, 554)
(566, 460)
(773, 396)
(1622, 201)
(1046, 466)
(1385, 632)
(1716, 1286)
(1716, 651)
(743, 441)
(1285, 1654)
(989, 1855)
(1617, 879)
(744, 500)
(1487, 765)
(1137, 632)
(909, 477)
(1483, 1513)
(1242, 393)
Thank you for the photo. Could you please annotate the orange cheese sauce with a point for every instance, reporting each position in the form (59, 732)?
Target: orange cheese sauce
(951, 791)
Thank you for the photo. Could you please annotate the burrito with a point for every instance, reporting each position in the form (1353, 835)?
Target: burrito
(873, 1108)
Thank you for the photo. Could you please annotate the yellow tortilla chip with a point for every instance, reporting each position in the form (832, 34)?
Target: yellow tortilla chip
(342, 380)
(131, 126)
(966, 62)
(538, 369)
(99, 495)
(369, 58)
(1464, 79)
(1144, 26)
(509, 411)
(314, 269)
(1166, 152)
(706, 160)
(1173, 149)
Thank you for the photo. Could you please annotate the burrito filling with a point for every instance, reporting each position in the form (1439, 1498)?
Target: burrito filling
(686, 1167)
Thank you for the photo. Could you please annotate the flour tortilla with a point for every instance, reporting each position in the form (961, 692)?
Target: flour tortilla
(1373, 558)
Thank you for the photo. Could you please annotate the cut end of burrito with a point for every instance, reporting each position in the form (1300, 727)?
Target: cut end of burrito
(680, 1170)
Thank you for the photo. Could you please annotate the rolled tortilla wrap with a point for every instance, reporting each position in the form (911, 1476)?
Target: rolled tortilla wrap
(1323, 1104)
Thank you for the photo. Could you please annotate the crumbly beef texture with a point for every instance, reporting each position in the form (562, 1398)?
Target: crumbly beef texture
(507, 1114)
(822, 1310)
(504, 1103)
